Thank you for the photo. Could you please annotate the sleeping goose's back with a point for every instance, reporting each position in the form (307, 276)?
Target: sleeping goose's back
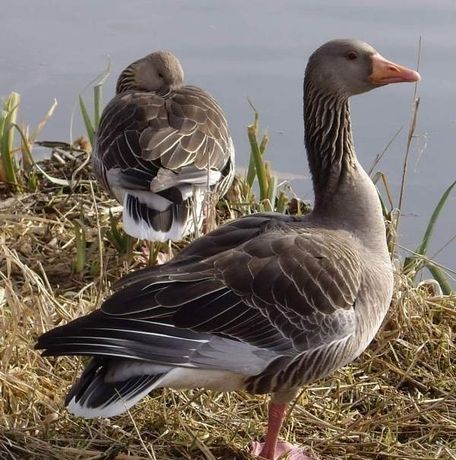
(160, 149)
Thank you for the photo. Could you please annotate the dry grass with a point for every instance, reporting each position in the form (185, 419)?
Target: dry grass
(396, 401)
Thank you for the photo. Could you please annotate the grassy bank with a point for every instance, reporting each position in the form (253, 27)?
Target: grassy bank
(60, 250)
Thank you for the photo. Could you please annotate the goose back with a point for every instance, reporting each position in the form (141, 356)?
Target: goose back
(159, 152)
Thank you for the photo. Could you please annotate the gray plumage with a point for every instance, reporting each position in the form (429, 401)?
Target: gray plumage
(267, 302)
(160, 147)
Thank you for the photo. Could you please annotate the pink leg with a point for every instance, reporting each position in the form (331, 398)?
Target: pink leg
(270, 449)
(275, 420)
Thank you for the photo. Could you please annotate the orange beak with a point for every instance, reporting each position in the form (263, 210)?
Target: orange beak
(385, 72)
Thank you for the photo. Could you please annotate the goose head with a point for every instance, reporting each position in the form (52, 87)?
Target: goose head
(346, 67)
(157, 72)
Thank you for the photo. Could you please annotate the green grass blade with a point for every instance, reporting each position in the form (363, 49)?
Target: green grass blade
(25, 145)
(87, 121)
(415, 262)
(258, 161)
(282, 202)
(9, 166)
(257, 166)
(97, 104)
(439, 275)
(422, 248)
(121, 241)
(27, 160)
(91, 125)
(264, 143)
(11, 108)
(2, 124)
(251, 172)
(115, 236)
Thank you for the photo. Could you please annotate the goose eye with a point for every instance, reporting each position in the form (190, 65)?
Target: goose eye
(351, 56)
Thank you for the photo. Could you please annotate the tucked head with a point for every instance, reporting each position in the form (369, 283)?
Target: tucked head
(159, 71)
(347, 67)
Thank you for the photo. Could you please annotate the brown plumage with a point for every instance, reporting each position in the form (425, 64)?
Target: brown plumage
(265, 303)
(160, 147)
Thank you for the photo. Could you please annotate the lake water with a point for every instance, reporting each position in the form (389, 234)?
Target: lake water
(258, 50)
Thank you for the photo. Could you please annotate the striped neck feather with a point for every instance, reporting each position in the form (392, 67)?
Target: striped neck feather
(328, 140)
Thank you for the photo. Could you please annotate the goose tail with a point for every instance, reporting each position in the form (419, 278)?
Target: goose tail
(103, 390)
(160, 216)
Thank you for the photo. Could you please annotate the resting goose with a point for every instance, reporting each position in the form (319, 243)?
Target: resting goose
(160, 147)
(266, 303)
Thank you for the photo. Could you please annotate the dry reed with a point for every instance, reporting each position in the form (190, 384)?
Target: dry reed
(396, 401)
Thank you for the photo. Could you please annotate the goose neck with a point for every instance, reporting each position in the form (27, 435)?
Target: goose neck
(328, 140)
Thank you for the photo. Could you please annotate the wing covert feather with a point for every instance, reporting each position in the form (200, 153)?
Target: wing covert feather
(284, 287)
(144, 131)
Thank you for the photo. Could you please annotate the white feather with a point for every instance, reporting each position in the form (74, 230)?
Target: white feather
(187, 175)
(177, 378)
(178, 230)
(115, 408)
(180, 378)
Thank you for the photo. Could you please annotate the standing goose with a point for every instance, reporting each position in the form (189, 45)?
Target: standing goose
(266, 303)
(160, 147)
